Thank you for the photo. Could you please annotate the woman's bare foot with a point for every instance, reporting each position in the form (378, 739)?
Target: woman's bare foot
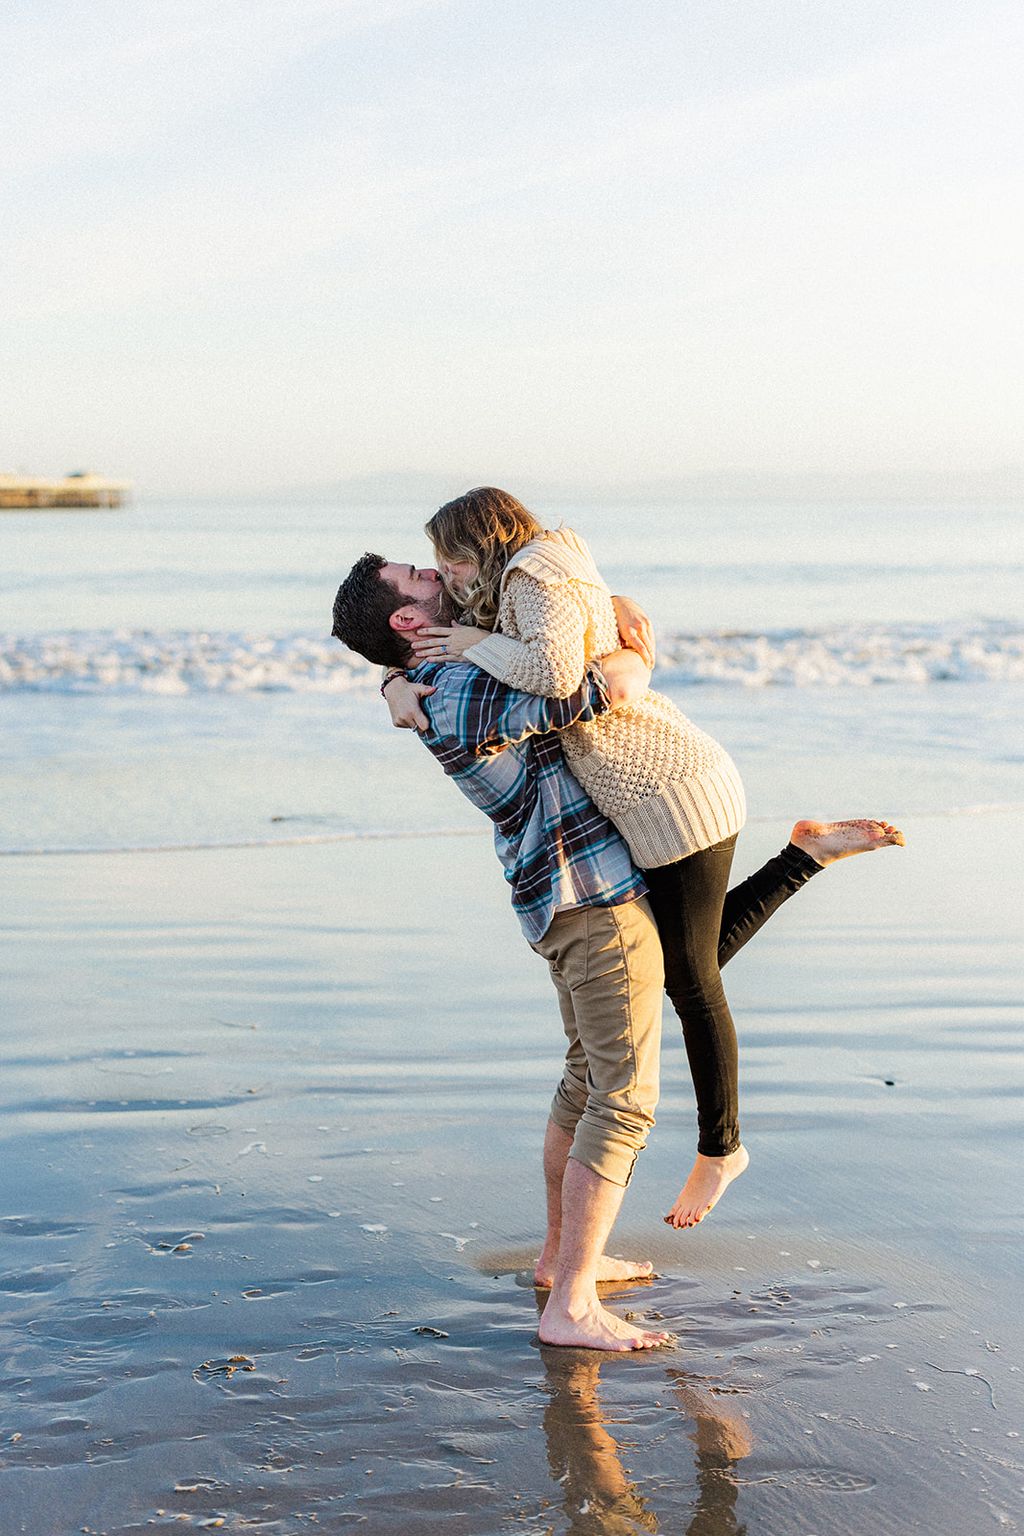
(594, 1327)
(709, 1178)
(827, 841)
(607, 1269)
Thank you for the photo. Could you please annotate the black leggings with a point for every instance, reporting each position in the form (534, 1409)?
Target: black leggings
(702, 925)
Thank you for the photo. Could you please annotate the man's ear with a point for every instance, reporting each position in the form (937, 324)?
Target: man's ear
(405, 619)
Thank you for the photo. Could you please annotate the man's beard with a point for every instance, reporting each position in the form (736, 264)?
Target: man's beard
(446, 610)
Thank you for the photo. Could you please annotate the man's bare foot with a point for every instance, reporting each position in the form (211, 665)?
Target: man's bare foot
(709, 1178)
(607, 1269)
(594, 1327)
(827, 841)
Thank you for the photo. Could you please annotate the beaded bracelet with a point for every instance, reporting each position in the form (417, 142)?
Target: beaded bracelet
(389, 679)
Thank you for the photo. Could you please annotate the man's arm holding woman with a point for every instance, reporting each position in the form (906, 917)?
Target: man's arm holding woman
(486, 716)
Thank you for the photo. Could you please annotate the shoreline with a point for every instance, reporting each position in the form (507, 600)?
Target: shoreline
(224, 1076)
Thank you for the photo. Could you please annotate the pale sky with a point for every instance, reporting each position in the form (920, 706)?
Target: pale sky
(256, 245)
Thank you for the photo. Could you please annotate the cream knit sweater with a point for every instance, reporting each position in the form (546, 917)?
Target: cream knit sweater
(668, 787)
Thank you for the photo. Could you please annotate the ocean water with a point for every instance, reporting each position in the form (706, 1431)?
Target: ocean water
(272, 1116)
(167, 676)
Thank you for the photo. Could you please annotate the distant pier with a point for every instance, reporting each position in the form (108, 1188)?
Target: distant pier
(77, 490)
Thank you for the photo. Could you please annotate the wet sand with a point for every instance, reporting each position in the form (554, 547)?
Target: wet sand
(271, 1125)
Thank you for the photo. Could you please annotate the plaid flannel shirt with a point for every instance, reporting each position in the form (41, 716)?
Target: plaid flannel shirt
(502, 749)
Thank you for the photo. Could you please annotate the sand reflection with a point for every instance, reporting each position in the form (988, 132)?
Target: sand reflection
(599, 1496)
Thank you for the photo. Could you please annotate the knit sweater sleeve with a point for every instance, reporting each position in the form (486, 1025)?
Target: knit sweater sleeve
(549, 658)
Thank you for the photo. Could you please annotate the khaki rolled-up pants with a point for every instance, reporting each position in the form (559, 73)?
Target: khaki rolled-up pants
(607, 966)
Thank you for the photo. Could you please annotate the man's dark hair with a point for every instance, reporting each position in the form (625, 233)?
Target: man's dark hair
(362, 608)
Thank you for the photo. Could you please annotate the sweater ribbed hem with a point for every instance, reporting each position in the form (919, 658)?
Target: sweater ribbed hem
(497, 654)
(684, 817)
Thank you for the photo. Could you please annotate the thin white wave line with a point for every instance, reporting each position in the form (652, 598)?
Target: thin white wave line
(388, 835)
(256, 842)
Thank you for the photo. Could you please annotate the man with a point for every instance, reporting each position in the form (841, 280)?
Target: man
(582, 906)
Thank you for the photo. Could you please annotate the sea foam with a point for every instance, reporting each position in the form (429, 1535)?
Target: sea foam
(141, 661)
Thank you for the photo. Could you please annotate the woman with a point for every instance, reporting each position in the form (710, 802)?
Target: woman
(535, 612)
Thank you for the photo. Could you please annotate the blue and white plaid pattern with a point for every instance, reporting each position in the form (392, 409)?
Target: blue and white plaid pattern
(502, 749)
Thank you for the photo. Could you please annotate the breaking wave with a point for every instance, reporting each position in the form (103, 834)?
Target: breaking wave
(139, 661)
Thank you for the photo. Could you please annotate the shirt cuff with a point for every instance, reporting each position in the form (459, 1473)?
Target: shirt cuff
(602, 700)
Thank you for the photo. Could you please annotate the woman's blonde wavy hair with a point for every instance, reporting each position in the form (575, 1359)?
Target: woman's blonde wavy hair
(488, 527)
